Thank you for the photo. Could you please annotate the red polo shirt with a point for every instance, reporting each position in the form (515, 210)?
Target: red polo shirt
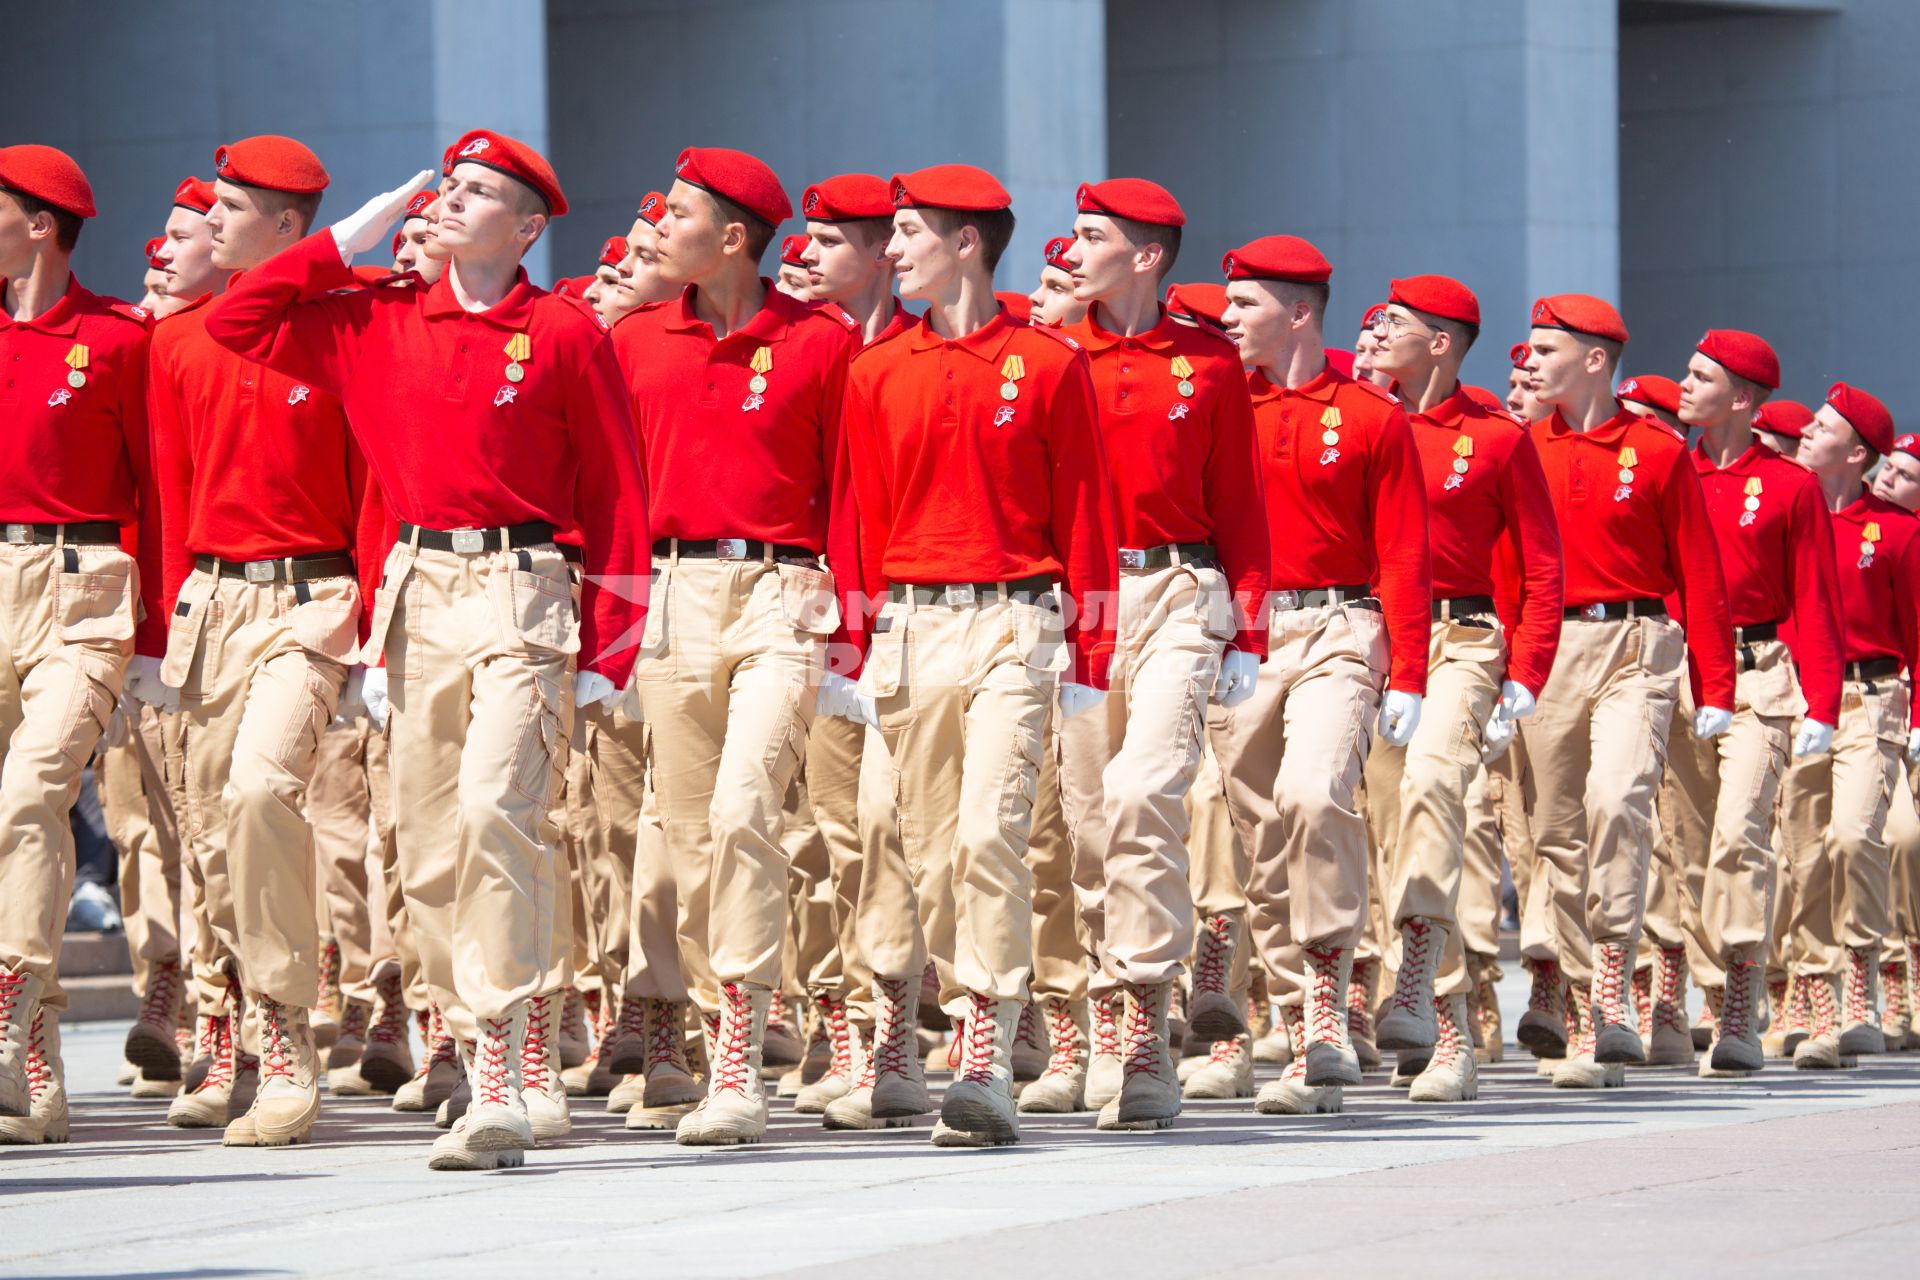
(1184, 467)
(1350, 512)
(452, 441)
(1643, 538)
(73, 455)
(1879, 590)
(959, 484)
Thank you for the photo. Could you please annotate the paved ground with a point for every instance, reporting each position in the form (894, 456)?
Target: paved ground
(1784, 1175)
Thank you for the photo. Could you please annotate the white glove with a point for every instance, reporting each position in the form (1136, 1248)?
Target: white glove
(1076, 698)
(351, 703)
(1711, 722)
(1913, 746)
(1516, 701)
(841, 696)
(1813, 739)
(373, 693)
(143, 682)
(366, 227)
(1239, 673)
(1497, 737)
(590, 687)
(1399, 717)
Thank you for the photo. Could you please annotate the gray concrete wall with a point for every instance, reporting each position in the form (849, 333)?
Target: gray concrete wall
(1768, 183)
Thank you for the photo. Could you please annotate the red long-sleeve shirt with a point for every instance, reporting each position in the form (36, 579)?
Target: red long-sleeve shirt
(1778, 561)
(1350, 512)
(252, 464)
(1184, 467)
(1879, 590)
(73, 455)
(1643, 538)
(959, 484)
(1500, 498)
(451, 440)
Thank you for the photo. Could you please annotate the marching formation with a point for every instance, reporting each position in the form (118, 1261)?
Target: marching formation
(684, 687)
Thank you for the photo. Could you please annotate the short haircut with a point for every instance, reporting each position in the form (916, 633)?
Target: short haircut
(759, 233)
(66, 225)
(1758, 391)
(994, 225)
(1613, 349)
(1464, 334)
(867, 232)
(1314, 294)
(304, 204)
(1141, 234)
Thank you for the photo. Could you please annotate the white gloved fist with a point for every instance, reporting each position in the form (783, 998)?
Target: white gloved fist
(1813, 739)
(1497, 737)
(590, 687)
(1711, 722)
(1239, 673)
(1399, 717)
(1913, 746)
(366, 228)
(143, 682)
(1076, 698)
(373, 693)
(1516, 701)
(841, 696)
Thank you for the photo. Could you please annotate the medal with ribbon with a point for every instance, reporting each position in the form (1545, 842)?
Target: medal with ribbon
(518, 348)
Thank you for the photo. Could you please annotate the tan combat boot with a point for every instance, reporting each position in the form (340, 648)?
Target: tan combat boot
(1669, 1043)
(1896, 1017)
(1329, 1054)
(19, 1000)
(1149, 1096)
(329, 1004)
(439, 1073)
(1579, 1069)
(735, 1109)
(1103, 1049)
(1212, 1012)
(1860, 1021)
(1291, 1095)
(1643, 998)
(152, 1042)
(1029, 1045)
(1542, 1030)
(624, 1051)
(854, 1110)
(1062, 1087)
(629, 1095)
(1736, 1048)
(46, 1118)
(496, 1117)
(1820, 1051)
(386, 1061)
(1483, 1006)
(1610, 1006)
(1409, 1022)
(978, 1109)
(836, 1081)
(1364, 977)
(783, 1048)
(542, 1092)
(1271, 1044)
(899, 1089)
(209, 1106)
(1773, 1041)
(288, 1097)
(1799, 1019)
(1451, 1075)
(594, 1077)
(573, 1041)
(1225, 1072)
(668, 1089)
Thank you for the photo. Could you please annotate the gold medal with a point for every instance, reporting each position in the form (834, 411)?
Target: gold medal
(1753, 504)
(518, 348)
(762, 362)
(1013, 370)
(77, 360)
(1181, 369)
(515, 372)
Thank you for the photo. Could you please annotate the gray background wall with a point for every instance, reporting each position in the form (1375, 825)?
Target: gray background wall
(1708, 162)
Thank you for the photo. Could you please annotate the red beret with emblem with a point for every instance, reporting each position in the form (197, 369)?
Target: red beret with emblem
(1783, 418)
(49, 175)
(1055, 252)
(1135, 199)
(746, 180)
(514, 158)
(949, 186)
(1206, 302)
(653, 207)
(1277, 258)
(1518, 353)
(153, 253)
(1375, 314)
(272, 162)
(614, 251)
(417, 207)
(1580, 313)
(1742, 354)
(790, 250)
(847, 197)
(1650, 389)
(1908, 444)
(1441, 296)
(193, 194)
(1865, 414)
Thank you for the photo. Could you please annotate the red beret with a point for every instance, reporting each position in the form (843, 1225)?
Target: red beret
(738, 177)
(193, 194)
(1908, 444)
(653, 207)
(1441, 296)
(949, 186)
(847, 197)
(790, 250)
(1206, 302)
(273, 162)
(1742, 354)
(614, 251)
(153, 249)
(1783, 418)
(1277, 258)
(48, 175)
(1055, 250)
(1650, 389)
(417, 207)
(1375, 314)
(1132, 198)
(446, 167)
(1865, 414)
(1581, 313)
(1519, 352)
(514, 158)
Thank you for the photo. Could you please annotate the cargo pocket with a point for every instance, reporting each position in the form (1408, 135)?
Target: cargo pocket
(1369, 631)
(542, 611)
(1663, 647)
(1040, 635)
(807, 599)
(537, 748)
(1771, 689)
(884, 676)
(90, 702)
(1021, 782)
(326, 623)
(197, 602)
(1889, 711)
(648, 658)
(299, 745)
(1213, 603)
(786, 738)
(386, 599)
(94, 606)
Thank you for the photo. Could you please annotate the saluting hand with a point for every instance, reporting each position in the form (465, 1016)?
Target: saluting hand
(366, 227)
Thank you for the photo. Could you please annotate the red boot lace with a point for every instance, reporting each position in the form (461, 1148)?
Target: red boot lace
(1141, 1057)
(1643, 997)
(1608, 997)
(777, 1007)
(1821, 1015)
(1106, 1029)
(573, 1014)
(732, 1044)
(1027, 1029)
(1669, 1000)
(1215, 954)
(664, 1034)
(1859, 989)
(1296, 1022)
(1360, 999)
(329, 993)
(633, 1019)
(1224, 1051)
(1327, 1021)
(1447, 1045)
(1065, 1037)
(353, 1021)
(1777, 1001)
(492, 1063)
(533, 1049)
(1799, 1005)
(1581, 1036)
(163, 996)
(892, 1037)
(1736, 1000)
(39, 1064)
(833, 1020)
(1544, 995)
(1893, 980)
(1416, 950)
(976, 1040)
(276, 1054)
(12, 985)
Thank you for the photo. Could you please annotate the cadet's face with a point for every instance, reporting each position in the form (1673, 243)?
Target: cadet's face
(605, 295)
(1055, 301)
(1785, 446)
(431, 247)
(1828, 443)
(16, 243)
(1101, 260)
(1403, 343)
(480, 212)
(245, 234)
(1557, 365)
(640, 281)
(186, 255)
(1706, 393)
(1520, 401)
(690, 236)
(793, 281)
(1898, 481)
(924, 262)
(1256, 321)
(838, 266)
(416, 244)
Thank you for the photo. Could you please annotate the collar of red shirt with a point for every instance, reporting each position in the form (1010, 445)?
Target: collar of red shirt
(776, 314)
(1608, 432)
(63, 317)
(1866, 506)
(511, 312)
(1089, 333)
(1451, 412)
(1320, 387)
(986, 342)
(1755, 452)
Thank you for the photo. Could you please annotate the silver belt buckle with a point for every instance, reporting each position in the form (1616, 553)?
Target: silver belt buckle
(469, 541)
(1133, 558)
(1594, 612)
(960, 593)
(20, 534)
(1287, 599)
(261, 570)
(730, 548)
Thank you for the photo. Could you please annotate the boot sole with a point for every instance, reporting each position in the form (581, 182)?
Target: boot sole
(488, 1136)
(1618, 1053)
(1211, 1024)
(707, 1138)
(657, 1119)
(1702, 1039)
(1729, 1062)
(976, 1119)
(1541, 1040)
(1389, 1033)
(158, 1057)
(1338, 1074)
(478, 1161)
(385, 1074)
(903, 1110)
(954, 1138)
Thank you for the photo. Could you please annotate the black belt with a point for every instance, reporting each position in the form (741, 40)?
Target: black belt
(572, 554)
(1315, 598)
(473, 541)
(1463, 609)
(1758, 633)
(1872, 669)
(1613, 610)
(325, 564)
(965, 593)
(84, 533)
(1165, 557)
(734, 549)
